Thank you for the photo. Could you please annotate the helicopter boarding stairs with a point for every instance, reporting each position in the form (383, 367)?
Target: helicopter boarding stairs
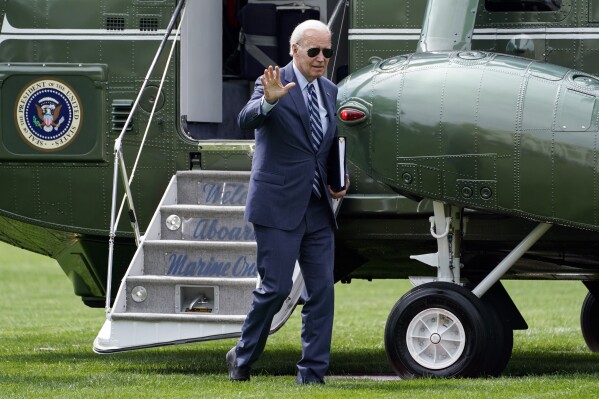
(194, 271)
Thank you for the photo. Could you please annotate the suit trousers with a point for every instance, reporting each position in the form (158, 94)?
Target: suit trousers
(312, 243)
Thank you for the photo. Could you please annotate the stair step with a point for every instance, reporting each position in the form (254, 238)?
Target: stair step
(200, 259)
(205, 223)
(182, 295)
(189, 317)
(212, 187)
(167, 280)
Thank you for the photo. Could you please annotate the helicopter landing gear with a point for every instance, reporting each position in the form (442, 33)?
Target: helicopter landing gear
(442, 329)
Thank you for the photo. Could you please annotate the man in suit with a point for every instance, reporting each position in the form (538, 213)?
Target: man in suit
(289, 201)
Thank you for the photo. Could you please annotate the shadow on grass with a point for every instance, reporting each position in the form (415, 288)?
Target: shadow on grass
(209, 360)
(533, 363)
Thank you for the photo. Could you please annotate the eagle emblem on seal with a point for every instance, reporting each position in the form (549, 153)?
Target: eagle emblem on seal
(48, 113)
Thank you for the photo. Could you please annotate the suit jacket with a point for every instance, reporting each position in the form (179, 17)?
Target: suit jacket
(284, 160)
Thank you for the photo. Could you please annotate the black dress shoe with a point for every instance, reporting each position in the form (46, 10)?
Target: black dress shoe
(236, 373)
(307, 381)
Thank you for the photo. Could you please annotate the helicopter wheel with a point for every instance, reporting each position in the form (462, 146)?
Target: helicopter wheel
(438, 330)
(589, 322)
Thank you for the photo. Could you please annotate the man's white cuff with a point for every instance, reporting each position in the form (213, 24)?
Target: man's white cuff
(265, 106)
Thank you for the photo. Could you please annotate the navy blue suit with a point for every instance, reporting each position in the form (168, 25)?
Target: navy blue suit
(290, 222)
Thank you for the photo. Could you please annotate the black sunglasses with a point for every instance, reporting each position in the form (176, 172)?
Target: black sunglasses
(314, 51)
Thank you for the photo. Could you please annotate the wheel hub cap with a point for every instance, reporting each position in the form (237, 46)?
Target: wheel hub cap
(435, 338)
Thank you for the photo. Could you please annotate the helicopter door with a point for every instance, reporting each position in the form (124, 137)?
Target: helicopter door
(201, 62)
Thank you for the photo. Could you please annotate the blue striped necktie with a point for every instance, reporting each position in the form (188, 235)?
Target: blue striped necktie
(316, 131)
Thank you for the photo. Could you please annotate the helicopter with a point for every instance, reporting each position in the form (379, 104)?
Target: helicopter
(471, 143)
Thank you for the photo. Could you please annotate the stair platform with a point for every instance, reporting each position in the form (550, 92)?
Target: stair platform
(194, 272)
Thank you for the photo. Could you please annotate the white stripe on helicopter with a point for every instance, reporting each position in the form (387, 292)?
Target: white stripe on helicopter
(480, 34)
(9, 32)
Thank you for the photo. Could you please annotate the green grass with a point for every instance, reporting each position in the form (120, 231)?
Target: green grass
(46, 337)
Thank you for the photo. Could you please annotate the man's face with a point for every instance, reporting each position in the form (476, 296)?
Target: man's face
(312, 67)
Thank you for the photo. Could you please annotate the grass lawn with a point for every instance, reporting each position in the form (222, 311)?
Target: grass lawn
(46, 336)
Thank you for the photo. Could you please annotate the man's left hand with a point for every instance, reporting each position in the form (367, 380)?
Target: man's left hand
(339, 194)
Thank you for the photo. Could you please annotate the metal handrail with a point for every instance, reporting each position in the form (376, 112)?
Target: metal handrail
(332, 20)
(119, 162)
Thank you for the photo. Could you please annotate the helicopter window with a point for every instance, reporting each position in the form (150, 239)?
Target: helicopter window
(522, 5)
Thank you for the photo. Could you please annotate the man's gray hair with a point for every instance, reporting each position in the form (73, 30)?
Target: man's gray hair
(300, 30)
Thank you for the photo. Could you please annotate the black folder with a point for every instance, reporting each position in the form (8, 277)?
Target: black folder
(337, 165)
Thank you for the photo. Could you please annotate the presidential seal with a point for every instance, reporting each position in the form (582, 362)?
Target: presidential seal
(48, 114)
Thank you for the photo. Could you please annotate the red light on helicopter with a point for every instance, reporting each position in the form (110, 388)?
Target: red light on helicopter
(351, 115)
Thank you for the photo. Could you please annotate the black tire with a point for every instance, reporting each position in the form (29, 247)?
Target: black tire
(458, 307)
(500, 344)
(501, 334)
(589, 322)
